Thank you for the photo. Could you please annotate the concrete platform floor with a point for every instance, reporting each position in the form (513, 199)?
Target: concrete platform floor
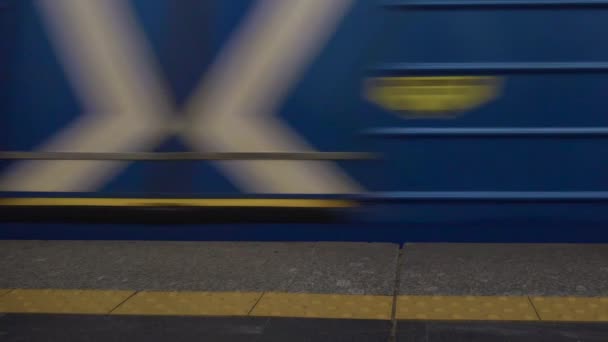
(504, 270)
(337, 268)
(341, 268)
(126, 290)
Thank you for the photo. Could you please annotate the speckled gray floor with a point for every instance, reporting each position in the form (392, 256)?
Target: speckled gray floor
(346, 268)
(505, 269)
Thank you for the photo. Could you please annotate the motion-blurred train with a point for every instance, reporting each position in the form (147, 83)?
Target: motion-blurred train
(403, 120)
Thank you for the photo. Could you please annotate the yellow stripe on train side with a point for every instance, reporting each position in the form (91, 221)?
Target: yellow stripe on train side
(169, 202)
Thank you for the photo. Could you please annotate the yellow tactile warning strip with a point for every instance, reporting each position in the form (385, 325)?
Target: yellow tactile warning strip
(465, 308)
(571, 309)
(189, 303)
(62, 301)
(324, 306)
(188, 202)
(304, 305)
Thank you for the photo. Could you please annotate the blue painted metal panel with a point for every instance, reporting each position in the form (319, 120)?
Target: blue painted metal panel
(552, 63)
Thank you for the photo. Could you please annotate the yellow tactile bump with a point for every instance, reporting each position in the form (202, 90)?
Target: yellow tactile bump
(62, 301)
(189, 303)
(4, 291)
(581, 309)
(324, 306)
(465, 308)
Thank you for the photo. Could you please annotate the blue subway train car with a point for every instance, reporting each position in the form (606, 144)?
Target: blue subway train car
(401, 120)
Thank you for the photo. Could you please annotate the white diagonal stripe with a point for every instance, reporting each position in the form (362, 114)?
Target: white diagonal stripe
(110, 69)
(233, 109)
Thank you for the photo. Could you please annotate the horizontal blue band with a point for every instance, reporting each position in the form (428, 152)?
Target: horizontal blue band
(494, 4)
(510, 132)
(489, 68)
(489, 196)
